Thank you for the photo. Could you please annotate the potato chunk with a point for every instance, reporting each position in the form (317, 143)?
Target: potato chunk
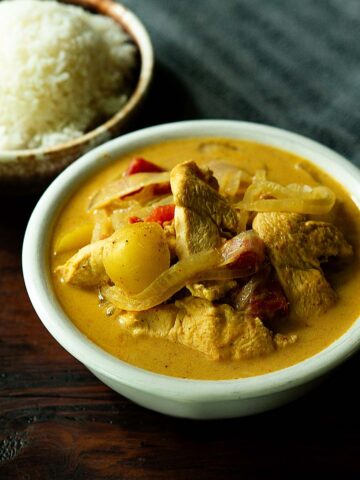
(136, 255)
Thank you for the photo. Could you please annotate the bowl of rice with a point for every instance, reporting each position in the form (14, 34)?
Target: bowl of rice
(73, 75)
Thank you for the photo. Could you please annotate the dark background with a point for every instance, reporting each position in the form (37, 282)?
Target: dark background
(289, 63)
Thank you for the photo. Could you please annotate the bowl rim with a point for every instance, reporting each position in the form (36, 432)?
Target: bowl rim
(35, 261)
(138, 33)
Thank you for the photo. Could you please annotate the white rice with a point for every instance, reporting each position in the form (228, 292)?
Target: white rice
(62, 71)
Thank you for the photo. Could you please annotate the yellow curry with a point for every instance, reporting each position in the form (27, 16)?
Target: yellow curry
(209, 258)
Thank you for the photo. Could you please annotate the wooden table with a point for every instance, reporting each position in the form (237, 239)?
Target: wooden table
(58, 421)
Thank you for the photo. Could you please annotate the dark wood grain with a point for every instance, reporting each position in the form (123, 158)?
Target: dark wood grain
(57, 421)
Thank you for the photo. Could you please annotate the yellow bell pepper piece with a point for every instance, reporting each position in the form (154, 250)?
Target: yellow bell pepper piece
(75, 239)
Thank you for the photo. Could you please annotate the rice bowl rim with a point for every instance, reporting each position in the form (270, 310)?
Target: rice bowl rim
(132, 25)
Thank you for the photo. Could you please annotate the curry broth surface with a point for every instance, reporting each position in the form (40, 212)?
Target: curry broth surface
(168, 358)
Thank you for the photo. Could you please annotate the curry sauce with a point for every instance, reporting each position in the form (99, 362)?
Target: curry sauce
(163, 356)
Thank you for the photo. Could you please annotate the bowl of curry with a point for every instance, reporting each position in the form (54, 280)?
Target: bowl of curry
(203, 269)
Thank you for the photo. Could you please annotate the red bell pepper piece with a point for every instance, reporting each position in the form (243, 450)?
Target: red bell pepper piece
(250, 251)
(140, 165)
(268, 301)
(135, 219)
(164, 213)
(162, 188)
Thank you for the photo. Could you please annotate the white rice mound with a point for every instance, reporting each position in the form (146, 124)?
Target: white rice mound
(62, 71)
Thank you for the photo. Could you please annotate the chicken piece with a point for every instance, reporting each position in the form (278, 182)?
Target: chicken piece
(308, 291)
(211, 290)
(202, 215)
(86, 267)
(170, 234)
(218, 331)
(156, 322)
(282, 341)
(194, 233)
(296, 247)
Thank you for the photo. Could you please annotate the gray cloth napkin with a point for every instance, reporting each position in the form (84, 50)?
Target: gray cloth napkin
(294, 64)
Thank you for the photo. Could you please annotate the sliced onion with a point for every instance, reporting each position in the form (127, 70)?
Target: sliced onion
(260, 176)
(242, 298)
(125, 186)
(121, 216)
(168, 283)
(201, 266)
(243, 217)
(246, 250)
(222, 273)
(102, 227)
(231, 179)
(293, 198)
(244, 295)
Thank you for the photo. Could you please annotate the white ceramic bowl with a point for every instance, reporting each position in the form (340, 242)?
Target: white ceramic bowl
(175, 396)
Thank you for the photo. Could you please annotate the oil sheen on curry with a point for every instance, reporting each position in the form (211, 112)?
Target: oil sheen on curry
(209, 258)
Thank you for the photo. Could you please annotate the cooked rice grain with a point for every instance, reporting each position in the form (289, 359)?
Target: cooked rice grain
(63, 70)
